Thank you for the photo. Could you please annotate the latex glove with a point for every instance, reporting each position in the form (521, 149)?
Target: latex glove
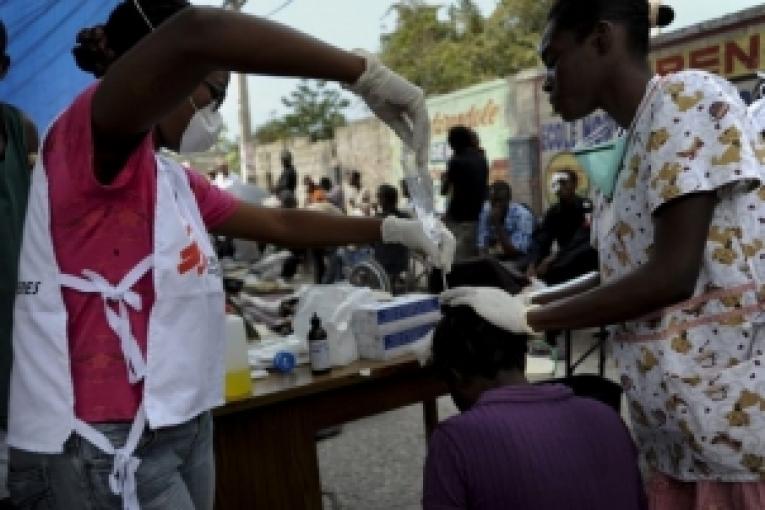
(411, 233)
(397, 102)
(494, 305)
(530, 291)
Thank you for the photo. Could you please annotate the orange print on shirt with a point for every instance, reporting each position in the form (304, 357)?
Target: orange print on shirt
(192, 257)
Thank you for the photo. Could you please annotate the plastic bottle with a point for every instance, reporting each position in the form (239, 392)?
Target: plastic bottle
(318, 348)
(238, 383)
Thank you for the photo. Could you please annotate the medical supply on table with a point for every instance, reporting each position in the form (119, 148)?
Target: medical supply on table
(238, 384)
(318, 348)
(262, 353)
(334, 304)
(284, 362)
(387, 329)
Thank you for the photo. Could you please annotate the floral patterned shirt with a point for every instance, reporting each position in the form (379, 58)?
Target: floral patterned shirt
(693, 373)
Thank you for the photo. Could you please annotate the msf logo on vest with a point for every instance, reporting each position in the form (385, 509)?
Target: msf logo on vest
(193, 259)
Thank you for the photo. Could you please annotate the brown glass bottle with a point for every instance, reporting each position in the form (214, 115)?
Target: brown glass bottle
(318, 348)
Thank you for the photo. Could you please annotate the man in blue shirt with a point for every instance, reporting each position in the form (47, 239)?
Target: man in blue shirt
(504, 227)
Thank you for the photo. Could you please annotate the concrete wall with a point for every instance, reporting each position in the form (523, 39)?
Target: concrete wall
(366, 145)
(363, 145)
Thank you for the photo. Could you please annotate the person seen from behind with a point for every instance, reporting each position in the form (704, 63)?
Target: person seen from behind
(465, 182)
(515, 444)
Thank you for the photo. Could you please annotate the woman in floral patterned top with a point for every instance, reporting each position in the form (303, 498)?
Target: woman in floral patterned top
(681, 249)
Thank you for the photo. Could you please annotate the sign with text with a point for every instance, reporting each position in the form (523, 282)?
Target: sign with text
(730, 54)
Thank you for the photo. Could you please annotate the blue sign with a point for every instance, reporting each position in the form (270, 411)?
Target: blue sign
(560, 136)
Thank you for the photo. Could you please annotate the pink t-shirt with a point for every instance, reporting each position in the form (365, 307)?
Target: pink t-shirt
(107, 229)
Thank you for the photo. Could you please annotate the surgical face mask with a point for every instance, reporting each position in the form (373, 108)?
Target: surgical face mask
(602, 163)
(203, 129)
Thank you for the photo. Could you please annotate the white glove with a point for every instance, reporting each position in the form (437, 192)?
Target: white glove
(397, 102)
(411, 233)
(494, 305)
(530, 291)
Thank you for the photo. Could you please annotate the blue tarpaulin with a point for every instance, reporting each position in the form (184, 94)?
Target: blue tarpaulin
(43, 78)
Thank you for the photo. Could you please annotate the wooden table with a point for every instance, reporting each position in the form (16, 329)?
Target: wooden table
(265, 446)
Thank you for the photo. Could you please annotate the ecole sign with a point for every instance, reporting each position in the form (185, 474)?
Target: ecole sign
(733, 54)
(475, 117)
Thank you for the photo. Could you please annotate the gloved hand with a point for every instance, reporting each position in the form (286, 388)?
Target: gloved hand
(530, 291)
(397, 102)
(494, 305)
(411, 233)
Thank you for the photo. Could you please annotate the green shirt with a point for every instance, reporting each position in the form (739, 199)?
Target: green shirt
(15, 179)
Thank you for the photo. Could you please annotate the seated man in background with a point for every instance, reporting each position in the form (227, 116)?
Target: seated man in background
(517, 445)
(394, 258)
(504, 227)
(567, 223)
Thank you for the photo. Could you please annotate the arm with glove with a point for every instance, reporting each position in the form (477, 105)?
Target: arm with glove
(667, 278)
(216, 40)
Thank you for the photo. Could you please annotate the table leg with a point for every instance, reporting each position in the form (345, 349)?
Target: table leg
(567, 356)
(267, 461)
(601, 336)
(430, 414)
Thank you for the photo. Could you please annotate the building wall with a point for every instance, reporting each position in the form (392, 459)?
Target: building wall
(366, 145)
(363, 145)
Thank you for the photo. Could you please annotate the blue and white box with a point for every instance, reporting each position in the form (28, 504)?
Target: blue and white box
(387, 329)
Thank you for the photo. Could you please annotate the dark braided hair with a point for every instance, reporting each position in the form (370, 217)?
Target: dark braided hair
(469, 345)
(97, 47)
(581, 17)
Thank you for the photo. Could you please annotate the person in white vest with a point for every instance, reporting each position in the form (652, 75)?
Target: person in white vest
(119, 316)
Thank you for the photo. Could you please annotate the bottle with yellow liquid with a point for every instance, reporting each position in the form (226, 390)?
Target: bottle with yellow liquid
(238, 382)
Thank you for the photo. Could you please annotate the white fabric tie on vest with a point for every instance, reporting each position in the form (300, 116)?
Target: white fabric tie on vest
(119, 322)
(122, 480)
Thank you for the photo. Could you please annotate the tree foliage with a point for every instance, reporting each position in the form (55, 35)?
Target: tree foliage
(228, 147)
(314, 110)
(444, 54)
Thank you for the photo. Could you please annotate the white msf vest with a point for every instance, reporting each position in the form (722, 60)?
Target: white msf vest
(184, 366)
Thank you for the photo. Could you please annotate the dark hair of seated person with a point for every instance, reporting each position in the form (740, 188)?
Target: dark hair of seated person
(473, 355)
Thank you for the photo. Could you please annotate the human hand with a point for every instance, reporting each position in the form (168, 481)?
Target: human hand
(529, 292)
(397, 102)
(544, 266)
(494, 305)
(411, 233)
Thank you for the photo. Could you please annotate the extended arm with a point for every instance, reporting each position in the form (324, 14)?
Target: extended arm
(299, 228)
(157, 73)
(681, 230)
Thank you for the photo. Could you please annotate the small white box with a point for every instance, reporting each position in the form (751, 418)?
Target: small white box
(387, 329)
